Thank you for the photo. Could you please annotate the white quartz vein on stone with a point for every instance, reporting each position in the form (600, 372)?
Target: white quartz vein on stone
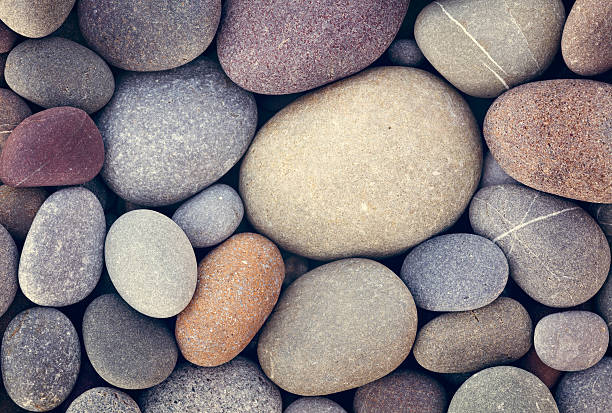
(532, 221)
(522, 35)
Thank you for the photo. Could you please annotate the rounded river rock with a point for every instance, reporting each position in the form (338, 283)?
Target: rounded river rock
(314, 404)
(405, 52)
(493, 174)
(7, 38)
(34, 18)
(103, 400)
(587, 390)
(9, 257)
(18, 207)
(13, 110)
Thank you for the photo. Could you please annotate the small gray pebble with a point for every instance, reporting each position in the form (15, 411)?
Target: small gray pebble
(314, 405)
(493, 174)
(405, 52)
(587, 390)
(103, 400)
(9, 257)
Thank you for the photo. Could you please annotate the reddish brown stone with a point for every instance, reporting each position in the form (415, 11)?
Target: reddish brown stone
(7, 38)
(55, 147)
(13, 110)
(554, 136)
(532, 363)
(18, 207)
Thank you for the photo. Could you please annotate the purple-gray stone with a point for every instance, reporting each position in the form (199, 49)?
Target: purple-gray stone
(587, 390)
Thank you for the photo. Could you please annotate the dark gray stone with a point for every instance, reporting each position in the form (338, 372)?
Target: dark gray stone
(455, 272)
(493, 174)
(604, 303)
(41, 358)
(587, 390)
(9, 257)
(103, 400)
(314, 405)
(405, 52)
(603, 216)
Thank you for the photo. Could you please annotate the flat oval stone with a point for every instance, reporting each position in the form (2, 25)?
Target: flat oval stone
(55, 147)
(571, 340)
(587, 390)
(314, 404)
(503, 389)
(237, 386)
(405, 52)
(472, 340)
(455, 272)
(486, 47)
(401, 391)
(151, 263)
(13, 110)
(127, 349)
(587, 37)
(330, 302)
(18, 207)
(557, 253)
(239, 283)
(207, 127)
(570, 117)
(9, 257)
(493, 174)
(34, 18)
(404, 191)
(324, 41)
(49, 72)
(211, 216)
(41, 358)
(62, 257)
(149, 37)
(7, 38)
(103, 400)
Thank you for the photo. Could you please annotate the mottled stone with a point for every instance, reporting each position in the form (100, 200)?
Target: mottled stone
(18, 207)
(503, 389)
(532, 363)
(314, 405)
(493, 174)
(604, 303)
(50, 72)
(41, 357)
(354, 314)
(170, 134)
(455, 272)
(151, 263)
(7, 38)
(211, 216)
(587, 37)
(334, 175)
(13, 110)
(587, 390)
(557, 253)
(34, 18)
(488, 46)
(399, 392)
(9, 257)
(103, 400)
(568, 117)
(127, 349)
(237, 386)
(405, 52)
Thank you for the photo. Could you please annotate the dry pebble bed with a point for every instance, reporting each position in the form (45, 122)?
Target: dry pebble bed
(308, 206)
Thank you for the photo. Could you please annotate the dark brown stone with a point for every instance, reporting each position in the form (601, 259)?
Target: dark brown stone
(532, 363)
(7, 38)
(18, 207)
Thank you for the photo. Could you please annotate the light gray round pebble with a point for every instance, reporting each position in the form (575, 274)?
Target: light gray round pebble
(405, 52)
(493, 174)
(314, 405)
(103, 400)
(587, 390)
(9, 257)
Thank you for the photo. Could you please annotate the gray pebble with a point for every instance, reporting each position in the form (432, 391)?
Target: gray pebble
(493, 174)
(103, 400)
(603, 216)
(9, 257)
(604, 303)
(405, 52)
(101, 191)
(314, 405)
(587, 390)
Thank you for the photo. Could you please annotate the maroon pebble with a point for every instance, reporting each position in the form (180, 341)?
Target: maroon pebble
(532, 363)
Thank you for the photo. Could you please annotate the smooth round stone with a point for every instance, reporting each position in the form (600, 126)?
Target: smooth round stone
(603, 215)
(308, 185)
(399, 392)
(170, 134)
(455, 272)
(237, 386)
(493, 174)
(532, 363)
(151, 263)
(7, 38)
(49, 72)
(571, 340)
(13, 110)
(152, 36)
(557, 253)
(587, 390)
(62, 257)
(211, 216)
(55, 147)
(103, 400)
(324, 41)
(34, 18)
(405, 52)
(314, 404)
(604, 303)
(569, 116)
(126, 348)
(41, 358)
(586, 43)
(503, 389)
(486, 47)
(18, 207)
(9, 257)
(325, 315)
(472, 340)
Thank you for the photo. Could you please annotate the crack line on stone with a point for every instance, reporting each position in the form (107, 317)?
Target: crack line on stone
(34, 172)
(523, 35)
(532, 221)
(496, 74)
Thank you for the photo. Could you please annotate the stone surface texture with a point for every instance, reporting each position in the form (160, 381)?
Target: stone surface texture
(103, 400)
(493, 174)
(9, 258)
(604, 303)
(34, 18)
(405, 52)
(587, 390)
(7, 38)
(18, 207)
(314, 404)
(532, 363)
(13, 110)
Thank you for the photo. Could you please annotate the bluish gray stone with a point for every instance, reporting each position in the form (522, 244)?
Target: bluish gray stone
(103, 400)
(587, 390)
(9, 257)
(405, 52)
(493, 174)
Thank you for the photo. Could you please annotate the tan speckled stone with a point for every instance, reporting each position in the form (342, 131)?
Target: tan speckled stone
(238, 285)
(368, 166)
(34, 18)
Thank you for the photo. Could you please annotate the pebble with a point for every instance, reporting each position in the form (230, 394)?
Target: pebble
(295, 267)
(571, 118)
(603, 215)
(18, 207)
(148, 37)
(103, 400)
(493, 174)
(126, 348)
(532, 363)
(49, 72)
(280, 48)
(41, 358)
(487, 47)
(405, 52)
(194, 113)
(211, 216)
(310, 156)
(9, 257)
(557, 253)
(237, 386)
(34, 18)
(151, 263)
(7, 38)
(314, 405)
(55, 147)
(604, 304)
(472, 340)
(13, 110)
(354, 316)
(586, 390)
(101, 191)
(455, 272)
(503, 389)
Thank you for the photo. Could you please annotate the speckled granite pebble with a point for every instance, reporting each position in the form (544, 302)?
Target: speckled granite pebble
(9, 257)
(13, 110)
(34, 18)
(405, 52)
(7, 38)
(532, 363)
(18, 207)
(493, 174)
(237, 386)
(354, 316)
(587, 390)
(503, 389)
(568, 117)
(557, 253)
(41, 357)
(239, 283)
(604, 303)
(170, 134)
(314, 405)
(127, 349)
(103, 400)
(151, 263)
